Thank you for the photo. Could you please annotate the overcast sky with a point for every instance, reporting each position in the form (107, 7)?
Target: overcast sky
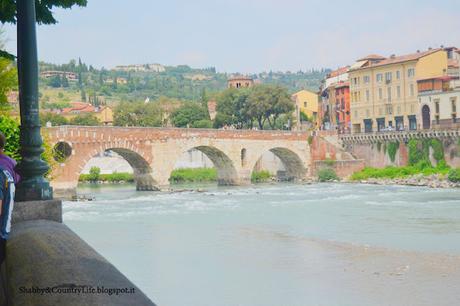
(245, 35)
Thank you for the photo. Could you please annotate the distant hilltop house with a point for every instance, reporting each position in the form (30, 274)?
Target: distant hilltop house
(120, 81)
(144, 68)
(70, 76)
(240, 82)
(103, 113)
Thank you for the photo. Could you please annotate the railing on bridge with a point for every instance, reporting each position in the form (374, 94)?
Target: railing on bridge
(398, 136)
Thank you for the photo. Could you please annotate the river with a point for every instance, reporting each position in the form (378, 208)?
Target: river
(282, 244)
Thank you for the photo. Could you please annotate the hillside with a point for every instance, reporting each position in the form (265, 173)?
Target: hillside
(180, 82)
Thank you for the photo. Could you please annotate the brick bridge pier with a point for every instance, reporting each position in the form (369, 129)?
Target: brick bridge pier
(153, 152)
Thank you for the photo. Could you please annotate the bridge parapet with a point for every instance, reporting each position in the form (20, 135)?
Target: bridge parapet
(402, 136)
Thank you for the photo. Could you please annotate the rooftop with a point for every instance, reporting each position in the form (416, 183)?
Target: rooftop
(399, 59)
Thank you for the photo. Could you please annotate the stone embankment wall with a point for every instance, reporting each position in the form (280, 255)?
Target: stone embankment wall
(373, 148)
(48, 264)
(327, 152)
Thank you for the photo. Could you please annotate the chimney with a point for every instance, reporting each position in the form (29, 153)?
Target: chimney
(418, 51)
(393, 56)
(430, 48)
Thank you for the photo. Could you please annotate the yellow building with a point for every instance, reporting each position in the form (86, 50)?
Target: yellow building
(383, 91)
(306, 102)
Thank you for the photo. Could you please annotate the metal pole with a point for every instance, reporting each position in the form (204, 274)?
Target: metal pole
(32, 168)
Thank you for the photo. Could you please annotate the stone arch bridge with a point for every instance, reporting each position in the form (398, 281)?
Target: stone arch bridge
(153, 152)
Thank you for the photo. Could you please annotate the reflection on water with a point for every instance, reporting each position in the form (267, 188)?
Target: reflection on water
(257, 245)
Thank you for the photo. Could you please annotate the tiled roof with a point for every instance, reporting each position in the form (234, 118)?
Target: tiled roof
(402, 58)
(339, 71)
(80, 107)
(372, 57)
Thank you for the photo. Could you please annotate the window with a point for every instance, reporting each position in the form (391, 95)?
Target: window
(389, 94)
(398, 91)
(305, 104)
(379, 77)
(411, 72)
(412, 90)
(436, 106)
(380, 94)
(389, 109)
(355, 81)
(342, 91)
(388, 76)
(454, 105)
(367, 95)
(398, 75)
(366, 79)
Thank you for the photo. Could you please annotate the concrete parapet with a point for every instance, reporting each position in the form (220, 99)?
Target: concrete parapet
(46, 259)
(37, 210)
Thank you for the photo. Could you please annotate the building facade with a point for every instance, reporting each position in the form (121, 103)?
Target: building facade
(330, 112)
(439, 100)
(307, 103)
(240, 82)
(384, 93)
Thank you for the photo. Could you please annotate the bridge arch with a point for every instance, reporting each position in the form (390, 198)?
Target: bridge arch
(226, 171)
(68, 171)
(291, 160)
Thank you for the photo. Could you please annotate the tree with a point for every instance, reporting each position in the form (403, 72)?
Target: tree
(64, 81)
(137, 114)
(55, 81)
(54, 119)
(8, 80)
(267, 102)
(83, 95)
(188, 114)
(85, 120)
(231, 108)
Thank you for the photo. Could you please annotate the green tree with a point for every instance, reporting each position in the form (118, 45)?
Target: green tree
(94, 174)
(137, 114)
(85, 120)
(232, 108)
(64, 81)
(8, 80)
(54, 119)
(267, 103)
(55, 81)
(83, 95)
(188, 114)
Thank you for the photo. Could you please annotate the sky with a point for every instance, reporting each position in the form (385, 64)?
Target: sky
(246, 36)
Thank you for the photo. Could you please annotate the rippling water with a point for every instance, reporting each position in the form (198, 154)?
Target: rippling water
(259, 245)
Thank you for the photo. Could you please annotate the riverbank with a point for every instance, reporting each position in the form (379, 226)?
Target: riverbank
(420, 180)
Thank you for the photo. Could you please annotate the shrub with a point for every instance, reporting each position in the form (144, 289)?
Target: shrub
(329, 162)
(438, 149)
(94, 173)
(454, 175)
(193, 175)
(202, 124)
(327, 175)
(260, 176)
(392, 148)
(113, 177)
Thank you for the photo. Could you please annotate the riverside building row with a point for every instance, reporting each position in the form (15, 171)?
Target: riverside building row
(408, 92)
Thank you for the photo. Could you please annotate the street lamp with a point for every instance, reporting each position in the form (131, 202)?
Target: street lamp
(33, 186)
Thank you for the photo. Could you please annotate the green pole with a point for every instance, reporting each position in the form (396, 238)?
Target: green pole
(33, 185)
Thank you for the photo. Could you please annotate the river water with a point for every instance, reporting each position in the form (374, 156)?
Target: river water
(283, 244)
